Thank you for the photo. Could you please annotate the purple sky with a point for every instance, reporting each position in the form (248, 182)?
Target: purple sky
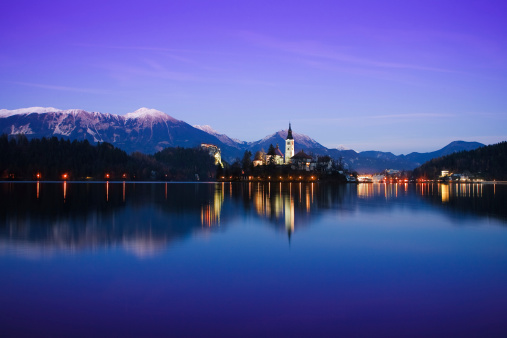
(396, 76)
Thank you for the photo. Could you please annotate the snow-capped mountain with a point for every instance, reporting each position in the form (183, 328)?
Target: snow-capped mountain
(145, 130)
(301, 142)
(150, 130)
(222, 137)
(35, 110)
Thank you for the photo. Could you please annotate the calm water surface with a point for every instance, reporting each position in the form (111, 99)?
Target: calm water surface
(253, 259)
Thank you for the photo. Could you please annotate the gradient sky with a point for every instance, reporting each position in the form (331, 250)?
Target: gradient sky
(396, 76)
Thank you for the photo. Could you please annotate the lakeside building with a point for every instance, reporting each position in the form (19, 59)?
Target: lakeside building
(275, 156)
(214, 151)
(259, 159)
(302, 161)
(447, 176)
(365, 178)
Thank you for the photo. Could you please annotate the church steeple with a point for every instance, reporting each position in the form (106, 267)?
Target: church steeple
(289, 146)
(289, 133)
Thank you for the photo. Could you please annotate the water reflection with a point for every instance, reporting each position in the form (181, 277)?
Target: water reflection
(210, 212)
(280, 205)
(444, 192)
(388, 191)
(457, 199)
(147, 218)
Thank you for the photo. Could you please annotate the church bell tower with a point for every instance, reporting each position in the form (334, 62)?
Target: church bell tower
(289, 146)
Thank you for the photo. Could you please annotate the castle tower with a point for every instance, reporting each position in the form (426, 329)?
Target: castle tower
(289, 146)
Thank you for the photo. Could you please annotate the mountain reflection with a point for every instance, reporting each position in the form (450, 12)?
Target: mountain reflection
(39, 219)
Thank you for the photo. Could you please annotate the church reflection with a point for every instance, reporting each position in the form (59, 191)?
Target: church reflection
(210, 212)
(284, 204)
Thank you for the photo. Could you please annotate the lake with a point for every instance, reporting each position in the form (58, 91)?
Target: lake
(253, 259)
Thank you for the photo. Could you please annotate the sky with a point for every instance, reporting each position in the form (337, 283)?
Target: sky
(397, 76)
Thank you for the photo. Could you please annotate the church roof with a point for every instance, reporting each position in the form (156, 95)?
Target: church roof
(275, 151)
(289, 133)
(301, 156)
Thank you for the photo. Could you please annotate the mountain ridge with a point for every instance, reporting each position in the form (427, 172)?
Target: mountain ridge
(150, 130)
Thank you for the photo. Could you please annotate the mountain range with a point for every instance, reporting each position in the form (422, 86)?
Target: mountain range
(149, 130)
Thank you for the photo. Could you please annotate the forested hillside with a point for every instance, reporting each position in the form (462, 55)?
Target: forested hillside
(489, 162)
(54, 159)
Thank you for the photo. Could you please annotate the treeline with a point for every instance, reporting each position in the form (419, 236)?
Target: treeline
(186, 163)
(489, 162)
(54, 159)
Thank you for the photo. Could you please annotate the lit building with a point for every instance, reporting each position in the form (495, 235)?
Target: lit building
(213, 151)
(365, 178)
(259, 159)
(289, 146)
(274, 156)
(302, 161)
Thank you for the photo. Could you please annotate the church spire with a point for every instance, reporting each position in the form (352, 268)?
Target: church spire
(289, 133)
(289, 146)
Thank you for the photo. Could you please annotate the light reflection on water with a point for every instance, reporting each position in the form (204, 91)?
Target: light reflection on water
(151, 216)
(276, 259)
(446, 191)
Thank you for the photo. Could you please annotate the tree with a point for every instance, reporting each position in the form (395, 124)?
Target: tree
(246, 161)
(271, 150)
(260, 155)
(271, 153)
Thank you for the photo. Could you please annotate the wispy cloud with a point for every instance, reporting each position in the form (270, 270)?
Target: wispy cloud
(487, 47)
(489, 115)
(155, 49)
(409, 116)
(316, 49)
(352, 117)
(62, 88)
(150, 69)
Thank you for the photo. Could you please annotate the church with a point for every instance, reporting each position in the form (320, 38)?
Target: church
(289, 146)
(275, 154)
